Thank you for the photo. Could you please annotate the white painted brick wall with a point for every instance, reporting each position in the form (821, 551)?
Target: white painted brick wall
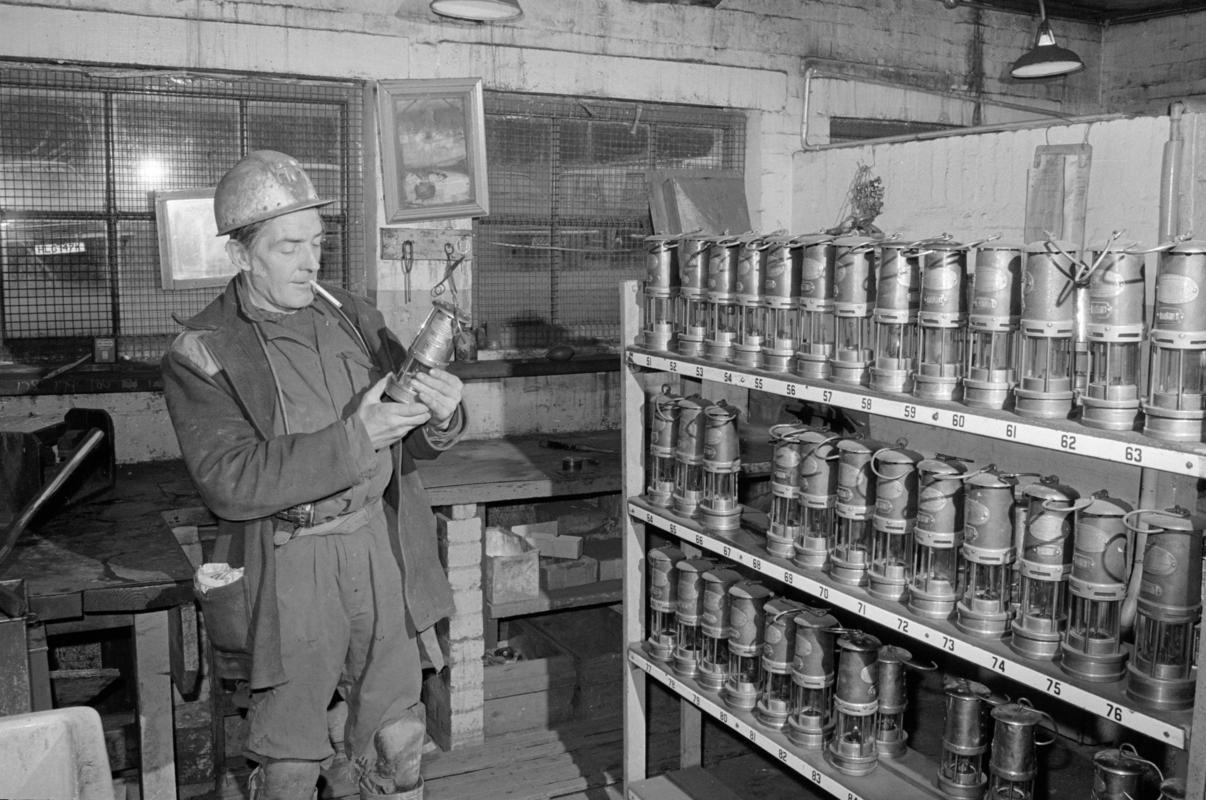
(973, 186)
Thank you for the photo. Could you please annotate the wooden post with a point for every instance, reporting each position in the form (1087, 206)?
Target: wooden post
(636, 694)
(153, 679)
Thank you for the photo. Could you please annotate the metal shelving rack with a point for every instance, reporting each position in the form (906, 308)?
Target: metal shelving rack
(745, 548)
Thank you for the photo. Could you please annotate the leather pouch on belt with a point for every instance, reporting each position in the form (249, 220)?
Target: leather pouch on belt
(227, 623)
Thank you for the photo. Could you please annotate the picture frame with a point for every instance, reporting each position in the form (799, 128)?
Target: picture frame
(191, 253)
(433, 148)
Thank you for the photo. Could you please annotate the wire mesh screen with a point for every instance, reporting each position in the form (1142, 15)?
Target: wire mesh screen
(83, 152)
(569, 207)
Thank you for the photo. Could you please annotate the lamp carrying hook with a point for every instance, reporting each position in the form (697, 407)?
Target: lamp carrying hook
(1082, 277)
(1053, 246)
(985, 240)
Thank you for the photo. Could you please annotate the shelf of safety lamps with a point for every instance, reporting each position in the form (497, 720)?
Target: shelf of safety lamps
(908, 776)
(745, 547)
(1125, 447)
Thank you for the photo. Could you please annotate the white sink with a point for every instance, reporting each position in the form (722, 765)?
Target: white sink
(55, 755)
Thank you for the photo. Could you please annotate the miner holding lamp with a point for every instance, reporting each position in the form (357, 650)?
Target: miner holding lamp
(275, 390)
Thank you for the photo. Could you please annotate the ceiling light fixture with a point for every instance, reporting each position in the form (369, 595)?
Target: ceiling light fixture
(1046, 59)
(478, 10)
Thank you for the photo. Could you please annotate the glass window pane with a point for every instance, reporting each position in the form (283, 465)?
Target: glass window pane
(145, 307)
(334, 261)
(55, 279)
(519, 166)
(52, 151)
(62, 281)
(590, 265)
(310, 132)
(164, 142)
(689, 147)
(570, 205)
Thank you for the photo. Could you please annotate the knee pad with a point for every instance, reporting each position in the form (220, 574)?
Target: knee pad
(399, 755)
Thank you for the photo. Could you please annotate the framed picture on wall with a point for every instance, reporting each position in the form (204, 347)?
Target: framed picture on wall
(433, 148)
(191, 253)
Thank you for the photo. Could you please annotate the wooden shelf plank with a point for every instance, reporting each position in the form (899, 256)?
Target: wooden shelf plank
(590, 594)
(1104, 699)
(1061, 435)
(891, 778)
(518, 468)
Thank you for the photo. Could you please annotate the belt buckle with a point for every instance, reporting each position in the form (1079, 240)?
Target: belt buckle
(298, 516)
(305, 512)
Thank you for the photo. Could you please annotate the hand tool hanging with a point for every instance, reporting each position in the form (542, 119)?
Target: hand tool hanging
(448, 282)
(408, 264)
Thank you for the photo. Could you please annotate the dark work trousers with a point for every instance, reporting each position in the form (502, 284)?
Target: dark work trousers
(343, 626)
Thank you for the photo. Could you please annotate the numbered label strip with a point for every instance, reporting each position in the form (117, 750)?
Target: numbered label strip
(820, 772)
(1051, 683)
(1081, 441)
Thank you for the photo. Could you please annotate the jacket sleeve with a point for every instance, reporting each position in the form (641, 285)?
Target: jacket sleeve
(427, 442)
(241, 474)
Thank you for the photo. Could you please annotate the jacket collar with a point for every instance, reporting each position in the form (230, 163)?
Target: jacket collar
(237, 348)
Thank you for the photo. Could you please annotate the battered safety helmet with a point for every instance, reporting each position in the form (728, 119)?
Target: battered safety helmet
(265, 184)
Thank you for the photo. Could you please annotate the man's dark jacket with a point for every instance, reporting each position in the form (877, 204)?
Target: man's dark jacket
(223, 404)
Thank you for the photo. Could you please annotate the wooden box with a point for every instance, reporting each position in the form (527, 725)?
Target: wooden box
(534, 691)
(512, 568)
(609, 552)
(562, 573)
(594, 639)
(551, 543)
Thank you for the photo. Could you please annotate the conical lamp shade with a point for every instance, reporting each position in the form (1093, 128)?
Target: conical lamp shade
(1047, 59)
(478, 10)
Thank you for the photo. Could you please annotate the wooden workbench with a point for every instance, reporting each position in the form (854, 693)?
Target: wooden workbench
(115, 563)
(517, 468)
(112, 563)
(461, 482)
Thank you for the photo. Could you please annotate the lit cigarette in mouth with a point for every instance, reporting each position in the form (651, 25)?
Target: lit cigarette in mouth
(325, 295)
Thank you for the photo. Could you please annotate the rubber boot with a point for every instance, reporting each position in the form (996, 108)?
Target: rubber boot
(283, 780)
(399, 756)
(410, 794)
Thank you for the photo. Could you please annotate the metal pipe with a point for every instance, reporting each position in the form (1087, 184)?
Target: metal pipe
(1170, 175)
(1169, 229)
(31, 509)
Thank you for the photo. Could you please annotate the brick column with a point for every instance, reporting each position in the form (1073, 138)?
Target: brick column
(454, 696)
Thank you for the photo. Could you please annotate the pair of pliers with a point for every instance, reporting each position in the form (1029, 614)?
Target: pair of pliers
(449, 267)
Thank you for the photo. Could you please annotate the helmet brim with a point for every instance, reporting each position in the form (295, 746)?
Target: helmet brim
(274, 213)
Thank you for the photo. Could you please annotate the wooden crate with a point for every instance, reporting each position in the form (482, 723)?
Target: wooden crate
(536, 691)
(512, 570)
(594, 638)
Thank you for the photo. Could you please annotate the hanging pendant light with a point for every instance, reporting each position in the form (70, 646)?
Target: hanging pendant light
(1046, 59)
(478, 10)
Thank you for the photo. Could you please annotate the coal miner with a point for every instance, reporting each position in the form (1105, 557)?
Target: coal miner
(275, 390)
